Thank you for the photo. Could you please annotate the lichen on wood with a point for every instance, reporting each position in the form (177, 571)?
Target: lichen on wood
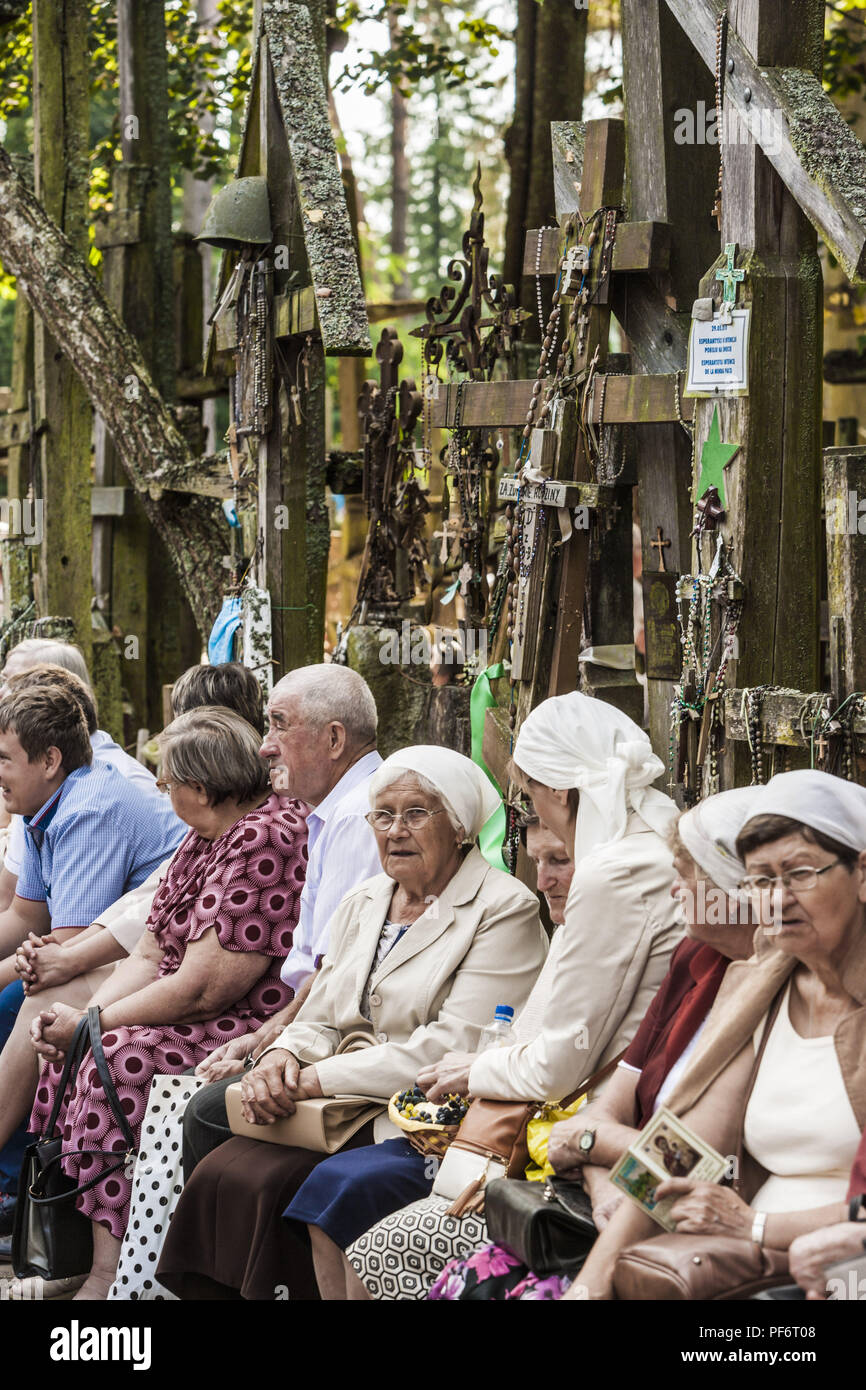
(831, 155)
(328, 239)
(62, 291)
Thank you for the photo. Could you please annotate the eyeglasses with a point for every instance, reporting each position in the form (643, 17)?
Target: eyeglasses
(799, 880)
(414, 819)
(164, 786)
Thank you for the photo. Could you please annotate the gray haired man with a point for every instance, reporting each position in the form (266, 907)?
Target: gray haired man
(321, 747)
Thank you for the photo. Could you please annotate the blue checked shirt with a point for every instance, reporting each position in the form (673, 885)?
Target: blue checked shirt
(97, 837)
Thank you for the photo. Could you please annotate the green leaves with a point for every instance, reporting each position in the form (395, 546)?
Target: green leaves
(416, 52)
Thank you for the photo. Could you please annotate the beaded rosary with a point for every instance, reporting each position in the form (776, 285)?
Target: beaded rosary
(697, 693)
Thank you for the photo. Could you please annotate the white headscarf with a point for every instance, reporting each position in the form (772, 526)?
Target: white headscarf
(576, 741)
(819, 800)
(709, 832)
(464, 788)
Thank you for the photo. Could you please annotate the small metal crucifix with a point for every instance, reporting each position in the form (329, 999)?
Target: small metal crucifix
(730, 278)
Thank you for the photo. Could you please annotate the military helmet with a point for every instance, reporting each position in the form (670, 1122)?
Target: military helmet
(239, 215)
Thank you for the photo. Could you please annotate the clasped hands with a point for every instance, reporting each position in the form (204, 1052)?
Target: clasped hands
(270, 1091)
(41, 963)
(53, 1031)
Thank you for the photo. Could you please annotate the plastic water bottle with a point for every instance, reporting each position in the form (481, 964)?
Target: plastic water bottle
(499, 1033)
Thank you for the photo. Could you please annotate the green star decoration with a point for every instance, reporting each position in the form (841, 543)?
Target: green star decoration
(714, 456)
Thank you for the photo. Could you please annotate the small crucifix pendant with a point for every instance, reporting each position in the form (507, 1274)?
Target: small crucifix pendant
(730, 278)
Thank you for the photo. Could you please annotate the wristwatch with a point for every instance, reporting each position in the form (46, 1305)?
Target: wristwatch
(586, 1141)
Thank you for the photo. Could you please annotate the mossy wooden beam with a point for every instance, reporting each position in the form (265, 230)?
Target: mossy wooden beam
(781, 712)
(327, 230)
(787, 112)
(568, 141)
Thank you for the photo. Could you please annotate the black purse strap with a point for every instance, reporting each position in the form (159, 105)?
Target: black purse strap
(87, 1033)
(74, 1058)
(106, 1079)
(35, 1190)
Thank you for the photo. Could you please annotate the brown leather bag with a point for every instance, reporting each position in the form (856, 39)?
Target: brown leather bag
(670, 1267)
(496, 1131)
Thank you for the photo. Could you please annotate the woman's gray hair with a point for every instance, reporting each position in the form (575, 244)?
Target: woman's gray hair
(334, 694)
(47, 650)
(216, 747)
(403, 774)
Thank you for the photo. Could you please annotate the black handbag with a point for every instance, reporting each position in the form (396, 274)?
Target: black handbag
(548, 1226)
(51, 1238)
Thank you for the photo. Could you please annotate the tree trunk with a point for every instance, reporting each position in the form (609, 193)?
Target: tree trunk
(548, 86)
(399, 178)
(61, 290)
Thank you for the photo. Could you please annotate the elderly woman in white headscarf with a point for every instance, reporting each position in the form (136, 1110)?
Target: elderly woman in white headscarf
(418, 959)
(588, 769)
(778, 1079)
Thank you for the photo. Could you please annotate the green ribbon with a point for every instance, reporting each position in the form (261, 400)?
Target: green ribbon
(492, 835)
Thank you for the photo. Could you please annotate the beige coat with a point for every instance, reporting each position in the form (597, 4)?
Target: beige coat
(746, 996)
(479, 944)
(606, 963)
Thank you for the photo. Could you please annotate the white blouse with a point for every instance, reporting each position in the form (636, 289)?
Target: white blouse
(799, 1123)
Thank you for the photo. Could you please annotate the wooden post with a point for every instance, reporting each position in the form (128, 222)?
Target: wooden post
(61, 141)
(132, 575)
(293, 513)
(845, 505)
(773, 485)
(598, 583)
(18, 465)
(672, 184)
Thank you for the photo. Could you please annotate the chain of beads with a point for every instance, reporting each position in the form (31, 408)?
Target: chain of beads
(754, 698)
(538, 249)
(427, 419)
(721, 29)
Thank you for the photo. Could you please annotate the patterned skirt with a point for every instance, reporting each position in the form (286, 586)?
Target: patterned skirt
(494, 1274)
(402, 1256)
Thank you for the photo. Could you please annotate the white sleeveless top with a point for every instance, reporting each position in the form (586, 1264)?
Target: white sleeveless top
(799, 1122)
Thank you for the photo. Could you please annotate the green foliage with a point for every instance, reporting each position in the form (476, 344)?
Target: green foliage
(845, 49)
(417, 53)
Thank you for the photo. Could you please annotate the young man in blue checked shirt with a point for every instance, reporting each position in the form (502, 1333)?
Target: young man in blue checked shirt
(91, 834)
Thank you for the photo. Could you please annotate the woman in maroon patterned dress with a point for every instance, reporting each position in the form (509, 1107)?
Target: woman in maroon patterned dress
(186, 989)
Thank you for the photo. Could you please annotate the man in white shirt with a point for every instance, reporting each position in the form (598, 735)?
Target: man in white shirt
(321, 747)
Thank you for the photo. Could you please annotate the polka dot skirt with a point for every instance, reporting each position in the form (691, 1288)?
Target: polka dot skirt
(156, 1188)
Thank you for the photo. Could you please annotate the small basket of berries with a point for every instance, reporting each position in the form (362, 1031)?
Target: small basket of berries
(428, 1126)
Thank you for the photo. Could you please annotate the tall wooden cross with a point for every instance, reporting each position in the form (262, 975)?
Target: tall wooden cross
(315, 307)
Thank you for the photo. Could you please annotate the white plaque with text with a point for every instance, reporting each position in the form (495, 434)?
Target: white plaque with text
(719, 355)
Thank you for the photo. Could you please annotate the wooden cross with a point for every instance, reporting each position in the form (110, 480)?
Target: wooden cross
(661, 545)
(314, 306)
